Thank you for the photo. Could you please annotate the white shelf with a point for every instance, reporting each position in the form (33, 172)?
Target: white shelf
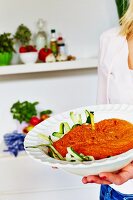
(83, 63)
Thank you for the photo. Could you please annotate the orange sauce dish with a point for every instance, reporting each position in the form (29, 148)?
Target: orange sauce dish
(109, 138)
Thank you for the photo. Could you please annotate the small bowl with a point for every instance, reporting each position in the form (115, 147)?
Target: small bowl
(29, 57)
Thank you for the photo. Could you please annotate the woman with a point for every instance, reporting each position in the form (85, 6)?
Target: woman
(115, 85)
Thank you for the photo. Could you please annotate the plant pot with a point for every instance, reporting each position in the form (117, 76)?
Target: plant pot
(5, 58)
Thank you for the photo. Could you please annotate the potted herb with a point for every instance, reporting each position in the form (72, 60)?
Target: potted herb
(23, 35)
(28, 53)
(6, 48)
(122, 6)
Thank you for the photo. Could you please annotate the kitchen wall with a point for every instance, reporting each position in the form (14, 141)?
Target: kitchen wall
(81, 23)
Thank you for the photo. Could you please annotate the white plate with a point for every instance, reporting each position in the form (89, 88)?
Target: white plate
(86, 168)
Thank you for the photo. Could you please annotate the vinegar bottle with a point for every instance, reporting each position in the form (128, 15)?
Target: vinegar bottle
(53, 42)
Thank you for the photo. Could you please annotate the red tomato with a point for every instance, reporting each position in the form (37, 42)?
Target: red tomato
(30, 48)
(26, 49)
(22, 50)
(34, 121)
(43, 53)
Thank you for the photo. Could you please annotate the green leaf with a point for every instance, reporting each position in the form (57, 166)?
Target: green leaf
(6, 43)
(46, 112)
(122, 6)
(23, 111)
(88, 119)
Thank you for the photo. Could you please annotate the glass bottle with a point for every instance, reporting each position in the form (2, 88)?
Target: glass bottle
(53, 42)
(41, 36)
(61, 46)
(62, 55)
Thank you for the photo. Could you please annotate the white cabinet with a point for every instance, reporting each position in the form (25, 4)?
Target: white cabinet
(23, 178)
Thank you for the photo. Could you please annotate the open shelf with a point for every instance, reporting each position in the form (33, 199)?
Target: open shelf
(82, 63)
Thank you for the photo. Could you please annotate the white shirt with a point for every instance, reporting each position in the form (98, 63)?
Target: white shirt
(115, 79)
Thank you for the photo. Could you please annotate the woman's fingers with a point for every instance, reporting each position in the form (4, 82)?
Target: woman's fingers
(117, 179)
(95, 179)
(120, 177)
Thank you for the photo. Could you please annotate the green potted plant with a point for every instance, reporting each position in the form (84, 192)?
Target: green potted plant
(122, 6)
(6, 48)
(27, 52)
(23, 35)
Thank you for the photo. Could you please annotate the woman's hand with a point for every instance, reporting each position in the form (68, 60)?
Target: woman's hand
(107, 178)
